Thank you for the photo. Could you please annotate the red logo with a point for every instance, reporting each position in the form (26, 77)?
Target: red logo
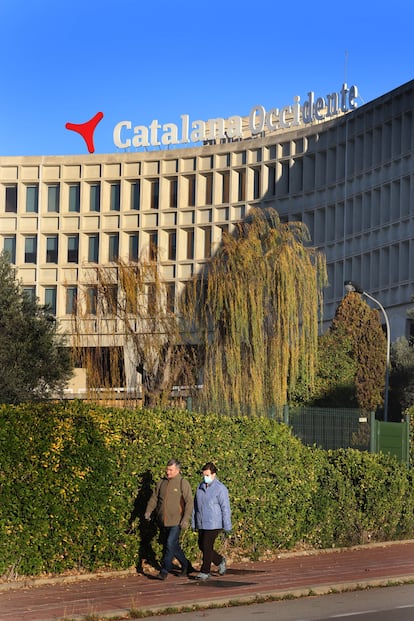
(86, 130)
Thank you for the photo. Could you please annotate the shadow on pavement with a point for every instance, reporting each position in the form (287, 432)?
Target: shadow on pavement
(220, 583)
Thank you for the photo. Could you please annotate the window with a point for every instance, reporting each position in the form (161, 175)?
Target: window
(32, 198)
(11, 199)
(113, 250)
(52, 249)
(272, 180)
(155, 191)
(71, 299)
(53, 193)
(93, 249)
(191, 190)
(131, 298)
(226, 187)
(170, 296)
(30, 249)
(91, 300)
(133, 247)
(74, 197)
(242, 185)
(115, 201)
(209, 189)
(173, 191)
(30, 293)
(73, 248)
(284, 179)
(152, 298)
(190, 243)
(207, 242)
(50, 299)
(9, 246)
(224, 229)
(172, 245)
(135, 195)
(256, 183)
(153, 246)
(95, 197)
(110, 299)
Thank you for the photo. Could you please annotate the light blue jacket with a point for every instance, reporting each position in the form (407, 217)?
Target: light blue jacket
(212, 507)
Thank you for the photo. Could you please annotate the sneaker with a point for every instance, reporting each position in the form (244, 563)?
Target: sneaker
(163, 575)
(202, 576)
(222, 567)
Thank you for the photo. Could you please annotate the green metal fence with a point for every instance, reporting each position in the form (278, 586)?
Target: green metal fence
(390, 437)
(330, 428)
(242, 409)
(334, 428)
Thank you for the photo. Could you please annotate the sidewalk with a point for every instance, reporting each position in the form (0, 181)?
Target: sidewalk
(117, 595)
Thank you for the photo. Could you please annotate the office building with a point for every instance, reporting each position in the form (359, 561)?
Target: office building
(347, 172)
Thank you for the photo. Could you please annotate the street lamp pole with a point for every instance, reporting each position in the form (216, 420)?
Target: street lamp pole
(350, 285)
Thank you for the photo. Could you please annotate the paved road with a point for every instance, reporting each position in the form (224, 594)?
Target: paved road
(380, 604)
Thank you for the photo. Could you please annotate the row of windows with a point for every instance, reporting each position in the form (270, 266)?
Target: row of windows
(49, 299)
(95, 304)
(381, 268)
(364, 212)
(71, 246)
(386, 141)
(290, 176)
(53, 198)
(191, 194)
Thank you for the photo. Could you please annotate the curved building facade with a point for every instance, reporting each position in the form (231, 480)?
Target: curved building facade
(350, 179)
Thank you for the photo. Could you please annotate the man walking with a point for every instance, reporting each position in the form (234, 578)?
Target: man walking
(172, 500)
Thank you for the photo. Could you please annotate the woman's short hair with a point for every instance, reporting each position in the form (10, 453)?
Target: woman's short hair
(209, 466)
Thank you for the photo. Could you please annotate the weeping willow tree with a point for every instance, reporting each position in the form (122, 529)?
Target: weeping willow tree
(126, 315)
(256, 308)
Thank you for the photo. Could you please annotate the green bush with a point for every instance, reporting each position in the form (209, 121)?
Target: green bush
(75, 479)
(373, 496)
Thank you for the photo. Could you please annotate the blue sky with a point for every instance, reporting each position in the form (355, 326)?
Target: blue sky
(141, 60)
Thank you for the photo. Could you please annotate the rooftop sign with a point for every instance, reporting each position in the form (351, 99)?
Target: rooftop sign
(126, 135)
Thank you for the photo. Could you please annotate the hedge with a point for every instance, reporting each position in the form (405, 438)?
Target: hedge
(75, 479)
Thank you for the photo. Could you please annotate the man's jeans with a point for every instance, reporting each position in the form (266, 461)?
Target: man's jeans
(172, 548)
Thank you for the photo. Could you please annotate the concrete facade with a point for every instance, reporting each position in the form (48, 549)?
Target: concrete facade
(350, 179)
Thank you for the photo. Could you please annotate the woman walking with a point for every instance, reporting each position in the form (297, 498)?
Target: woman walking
(211, 515)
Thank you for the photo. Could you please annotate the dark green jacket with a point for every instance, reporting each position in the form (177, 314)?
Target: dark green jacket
(173, 502)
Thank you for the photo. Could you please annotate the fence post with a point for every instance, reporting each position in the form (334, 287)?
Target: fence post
(373, 433)
(407, 439)
(286, 414)
(190, 404)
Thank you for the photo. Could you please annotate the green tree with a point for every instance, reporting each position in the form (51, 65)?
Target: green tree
(352, 364)
(247, 325)
(256, 310)
(141, 331)
(336, 370)
(33, 362)
(401, 377)
(402, 374)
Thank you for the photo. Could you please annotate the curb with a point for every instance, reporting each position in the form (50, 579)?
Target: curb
(259, 597)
